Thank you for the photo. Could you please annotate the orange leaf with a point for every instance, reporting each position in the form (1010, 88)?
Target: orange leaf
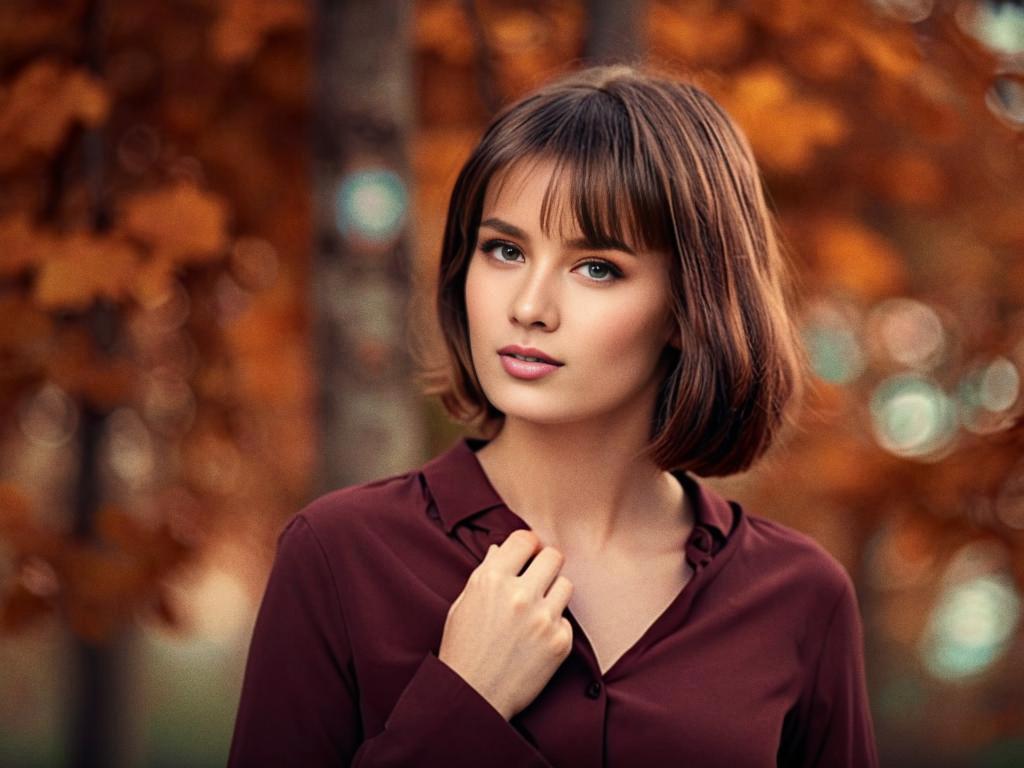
(434, 24)
(153, 280)
(519, 29)
(21, 244)
(823, 57)
(785, 129)
(911, 178)
(896, 56)
(85, 267)
(44, 101)
(181, 222)
(696, 34)
(25, 338)
(244, 24)
(858, 259)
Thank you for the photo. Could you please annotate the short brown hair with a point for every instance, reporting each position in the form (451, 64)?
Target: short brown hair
(666, 154)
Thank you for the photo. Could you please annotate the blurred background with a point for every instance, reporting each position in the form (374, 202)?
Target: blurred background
(219, 217)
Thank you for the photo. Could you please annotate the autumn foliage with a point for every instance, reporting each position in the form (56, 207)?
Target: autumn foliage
(152, 257)
(154, 264)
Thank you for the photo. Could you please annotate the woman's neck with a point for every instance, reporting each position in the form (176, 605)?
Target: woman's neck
(585, 492)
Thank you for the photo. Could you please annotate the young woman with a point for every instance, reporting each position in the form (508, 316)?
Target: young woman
(562, 591)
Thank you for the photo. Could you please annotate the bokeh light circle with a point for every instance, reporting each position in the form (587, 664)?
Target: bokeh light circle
(371, 205)
(830, 335)
(910, 332)
(912, 416)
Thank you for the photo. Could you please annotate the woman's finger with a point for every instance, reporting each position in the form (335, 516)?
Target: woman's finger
(559, 595)
(518, 547)
(543, 571)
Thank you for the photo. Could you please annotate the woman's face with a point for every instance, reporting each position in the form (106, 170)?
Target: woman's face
(603, 313)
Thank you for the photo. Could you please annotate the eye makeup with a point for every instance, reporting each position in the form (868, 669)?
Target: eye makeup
(613, 272)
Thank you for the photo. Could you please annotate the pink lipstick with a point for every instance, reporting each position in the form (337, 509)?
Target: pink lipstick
(527, 362)
(524, 369)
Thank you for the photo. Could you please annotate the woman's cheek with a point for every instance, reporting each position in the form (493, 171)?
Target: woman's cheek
(626, 333)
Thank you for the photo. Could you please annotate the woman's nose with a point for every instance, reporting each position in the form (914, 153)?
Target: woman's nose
(535, 303)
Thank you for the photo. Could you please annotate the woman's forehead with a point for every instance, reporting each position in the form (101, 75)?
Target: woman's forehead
(508, 181)
(506, 185)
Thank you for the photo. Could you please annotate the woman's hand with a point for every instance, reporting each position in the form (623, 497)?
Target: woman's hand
(505, 634)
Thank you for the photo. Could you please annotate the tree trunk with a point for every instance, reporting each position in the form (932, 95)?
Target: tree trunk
(97, 668)
(369, 412)
(615, 31)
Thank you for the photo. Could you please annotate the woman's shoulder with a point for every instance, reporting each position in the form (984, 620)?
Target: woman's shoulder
(373, 505)
(796, 556)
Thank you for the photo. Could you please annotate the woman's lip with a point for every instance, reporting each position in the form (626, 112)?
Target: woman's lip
(514, 349)
(523, 369)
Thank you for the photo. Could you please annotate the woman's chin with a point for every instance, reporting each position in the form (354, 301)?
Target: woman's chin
(528, 409)
(539, 409)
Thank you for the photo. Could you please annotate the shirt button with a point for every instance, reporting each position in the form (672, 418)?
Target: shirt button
(702, 540)
(594, 690)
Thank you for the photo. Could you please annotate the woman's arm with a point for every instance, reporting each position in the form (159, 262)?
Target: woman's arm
(836, 728)
(300, 704)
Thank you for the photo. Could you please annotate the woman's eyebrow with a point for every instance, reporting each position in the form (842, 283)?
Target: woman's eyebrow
(580, 243)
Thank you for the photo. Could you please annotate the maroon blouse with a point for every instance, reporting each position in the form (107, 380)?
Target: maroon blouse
(757, 661)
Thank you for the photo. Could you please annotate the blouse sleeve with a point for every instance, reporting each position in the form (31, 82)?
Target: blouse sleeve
(838, 731)
(299, 703)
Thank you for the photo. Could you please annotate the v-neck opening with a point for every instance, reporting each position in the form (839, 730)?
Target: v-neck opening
(697, 543)
(642, 641)
(690, 494)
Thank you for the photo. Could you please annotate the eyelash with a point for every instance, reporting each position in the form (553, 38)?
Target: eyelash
(614, 272)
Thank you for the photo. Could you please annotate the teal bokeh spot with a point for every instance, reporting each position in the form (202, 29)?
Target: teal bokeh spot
(912, 415)
(834, 353)
(972, 626)
(371, 204)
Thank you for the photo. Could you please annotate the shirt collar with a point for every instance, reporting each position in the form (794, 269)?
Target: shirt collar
(462, 490)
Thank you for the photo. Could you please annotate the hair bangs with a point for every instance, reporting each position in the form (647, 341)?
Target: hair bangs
(615, 196)
(602, 177)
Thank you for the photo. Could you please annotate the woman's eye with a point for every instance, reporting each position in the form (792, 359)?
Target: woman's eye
(596, 271)
(503, 249)
(605, 272)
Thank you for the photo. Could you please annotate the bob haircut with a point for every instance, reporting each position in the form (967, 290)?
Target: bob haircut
(658, 164)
